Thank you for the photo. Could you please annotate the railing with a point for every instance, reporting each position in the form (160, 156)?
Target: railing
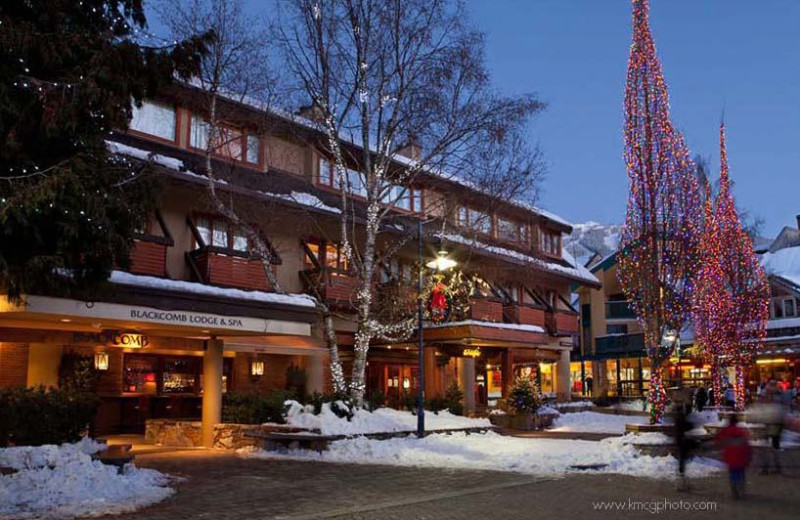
(334, 285)
(524, 314)
(228, 269)
(620, 345)
(561, 323)
(149, 257)
(619, 310)
(486, 309)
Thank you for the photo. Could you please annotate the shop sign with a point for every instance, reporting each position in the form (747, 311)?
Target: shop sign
(129, 340)
(471, 352)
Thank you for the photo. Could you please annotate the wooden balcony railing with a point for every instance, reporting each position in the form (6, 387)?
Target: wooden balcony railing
(333, 285)
(562, 323)
(228, 269)
(149, 257)
(524, 314)
(486, 309)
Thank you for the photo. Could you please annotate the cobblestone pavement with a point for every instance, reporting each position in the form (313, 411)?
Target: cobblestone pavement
(223, 486)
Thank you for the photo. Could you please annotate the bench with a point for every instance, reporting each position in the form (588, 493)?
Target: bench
(277, 441)
(115, 455)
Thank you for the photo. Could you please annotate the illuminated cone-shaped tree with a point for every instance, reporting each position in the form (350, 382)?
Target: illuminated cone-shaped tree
(745, 324)
(658, 249)
(711, 299)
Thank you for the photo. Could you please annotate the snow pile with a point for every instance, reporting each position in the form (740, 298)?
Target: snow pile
(381, 420)
(593, 422)
(784, 263)
(490, 451)
(637, 405)
(576, 404)
(123, 278)
(63, 481)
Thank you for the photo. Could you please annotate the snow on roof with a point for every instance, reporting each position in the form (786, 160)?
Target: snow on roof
(784, 263)
(301, 198)
(509, 326)
(123, 278)
(575, 270)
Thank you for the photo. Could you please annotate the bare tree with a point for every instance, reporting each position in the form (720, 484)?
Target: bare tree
(384, 74)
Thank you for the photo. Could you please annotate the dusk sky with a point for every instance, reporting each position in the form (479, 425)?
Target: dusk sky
(739, 56)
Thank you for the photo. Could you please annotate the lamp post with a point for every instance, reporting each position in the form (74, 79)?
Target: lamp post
(440, 263)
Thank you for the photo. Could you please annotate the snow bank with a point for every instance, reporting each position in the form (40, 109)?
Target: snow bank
(63, 482)
(490, 451)
(381, 420)
(594, 422)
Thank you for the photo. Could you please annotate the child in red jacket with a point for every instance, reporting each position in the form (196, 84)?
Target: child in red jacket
(736, 452)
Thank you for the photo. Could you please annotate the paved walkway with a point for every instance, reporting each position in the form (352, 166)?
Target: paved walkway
(222, 486)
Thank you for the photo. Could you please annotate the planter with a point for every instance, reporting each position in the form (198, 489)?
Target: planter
(529, 422)
(189, 434)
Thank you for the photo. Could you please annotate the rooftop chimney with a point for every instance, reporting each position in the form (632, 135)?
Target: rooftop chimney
(312, 112)
(413, 150)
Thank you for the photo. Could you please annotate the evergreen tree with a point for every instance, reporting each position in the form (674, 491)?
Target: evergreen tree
(70, 72)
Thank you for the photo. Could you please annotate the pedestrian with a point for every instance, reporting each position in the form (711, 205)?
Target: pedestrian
(734, 441)
(729, 396)
(700, 398)
(772, 414)
(712, 397)
(683, 442)
(589, 385)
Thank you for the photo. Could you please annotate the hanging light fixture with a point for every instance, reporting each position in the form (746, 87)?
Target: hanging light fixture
(442, 262)
(256, 368)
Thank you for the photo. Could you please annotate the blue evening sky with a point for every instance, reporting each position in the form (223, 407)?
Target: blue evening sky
(738, 55)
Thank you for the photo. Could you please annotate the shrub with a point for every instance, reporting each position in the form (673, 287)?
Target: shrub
(525, 396)
(436, 404)
(410, 402)
(36, 416)
(241, 408)
(376, 400)
(76, 372)
(453, 398)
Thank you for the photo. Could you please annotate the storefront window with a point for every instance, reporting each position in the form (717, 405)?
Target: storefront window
(547, 380)
(139, 374)
(179, 376)
(168, 375)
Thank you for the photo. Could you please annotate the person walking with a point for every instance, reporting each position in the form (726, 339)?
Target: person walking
(700, 398)
(772, 414)
(734, 441)
(730, 396)
(683, 442)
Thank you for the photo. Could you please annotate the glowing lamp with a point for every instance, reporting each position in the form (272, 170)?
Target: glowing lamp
(101, 361)
(257, 368)
(442, 262)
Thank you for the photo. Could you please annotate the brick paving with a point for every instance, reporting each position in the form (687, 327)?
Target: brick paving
(223, 486)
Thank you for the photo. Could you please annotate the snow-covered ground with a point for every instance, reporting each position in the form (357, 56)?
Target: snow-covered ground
(63, 482)
(595, 422)
(491, 451)
(381, 420)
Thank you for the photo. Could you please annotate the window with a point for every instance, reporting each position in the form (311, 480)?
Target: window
(550, 242)
(253, 148)
(218, 232)
(334, 259)
(328, 176)
(777, 309)
(616, 329)
(229, 139)
(789, 308)
(168, 375)
(156, 119)
(507, 230)
(475, 220)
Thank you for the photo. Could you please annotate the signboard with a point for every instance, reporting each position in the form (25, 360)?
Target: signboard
(471, 352)
(129, 340)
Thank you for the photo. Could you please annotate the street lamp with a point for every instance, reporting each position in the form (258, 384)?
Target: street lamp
(440, 263)
(669, 339)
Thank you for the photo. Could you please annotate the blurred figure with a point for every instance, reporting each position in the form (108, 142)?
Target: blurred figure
(700, 398)
(711, 396)
(734, 442)
(730, 396)
(762, 388)
(683, 442)
(772, 413)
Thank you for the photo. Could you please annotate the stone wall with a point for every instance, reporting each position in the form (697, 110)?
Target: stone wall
(188, 434)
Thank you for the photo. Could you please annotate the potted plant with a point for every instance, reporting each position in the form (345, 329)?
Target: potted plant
(523, 403)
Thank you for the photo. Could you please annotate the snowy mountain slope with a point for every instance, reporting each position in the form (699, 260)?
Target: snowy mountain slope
(592, 238)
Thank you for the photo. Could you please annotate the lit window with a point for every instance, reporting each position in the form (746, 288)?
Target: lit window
(155, 119)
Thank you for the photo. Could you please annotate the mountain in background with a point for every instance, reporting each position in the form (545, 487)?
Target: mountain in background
(592, 238)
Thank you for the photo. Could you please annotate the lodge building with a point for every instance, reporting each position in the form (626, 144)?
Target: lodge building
(195, 315)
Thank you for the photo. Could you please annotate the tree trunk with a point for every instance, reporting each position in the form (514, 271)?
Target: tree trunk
(337, 374)
(739, 388)
(657, 396)
(716, 381)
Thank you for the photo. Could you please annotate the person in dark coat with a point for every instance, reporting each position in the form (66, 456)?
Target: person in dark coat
(683, 442)
(700, 398)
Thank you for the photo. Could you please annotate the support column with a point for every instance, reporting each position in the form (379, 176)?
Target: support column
(431, 379)
(466, 380)
(563, 393)
(507, 371)
(315, 374)
(212, 389)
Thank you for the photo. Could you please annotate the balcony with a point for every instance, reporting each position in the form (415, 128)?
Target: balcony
(228, 268)
(149, 257)
(524, 314)
(619, 310)
(486, 309)
(619, 345)
(332, 285)
(562, 323)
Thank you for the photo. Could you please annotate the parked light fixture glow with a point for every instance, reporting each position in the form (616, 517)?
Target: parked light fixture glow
(442, 262)
(770, 361)
(101, 361)
(257, 368)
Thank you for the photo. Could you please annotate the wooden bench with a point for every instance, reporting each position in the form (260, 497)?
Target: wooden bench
(277, 441)
(115, 455)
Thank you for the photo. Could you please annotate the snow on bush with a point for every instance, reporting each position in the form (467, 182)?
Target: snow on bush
(364, 421)
(63, 482)
(491, 451)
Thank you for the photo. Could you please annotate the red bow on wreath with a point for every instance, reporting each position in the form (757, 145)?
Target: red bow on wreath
(439, 304)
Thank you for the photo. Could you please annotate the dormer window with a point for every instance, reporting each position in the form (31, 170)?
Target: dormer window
(550, 242)
(511, 230)
(328, 176)
(475, 220)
